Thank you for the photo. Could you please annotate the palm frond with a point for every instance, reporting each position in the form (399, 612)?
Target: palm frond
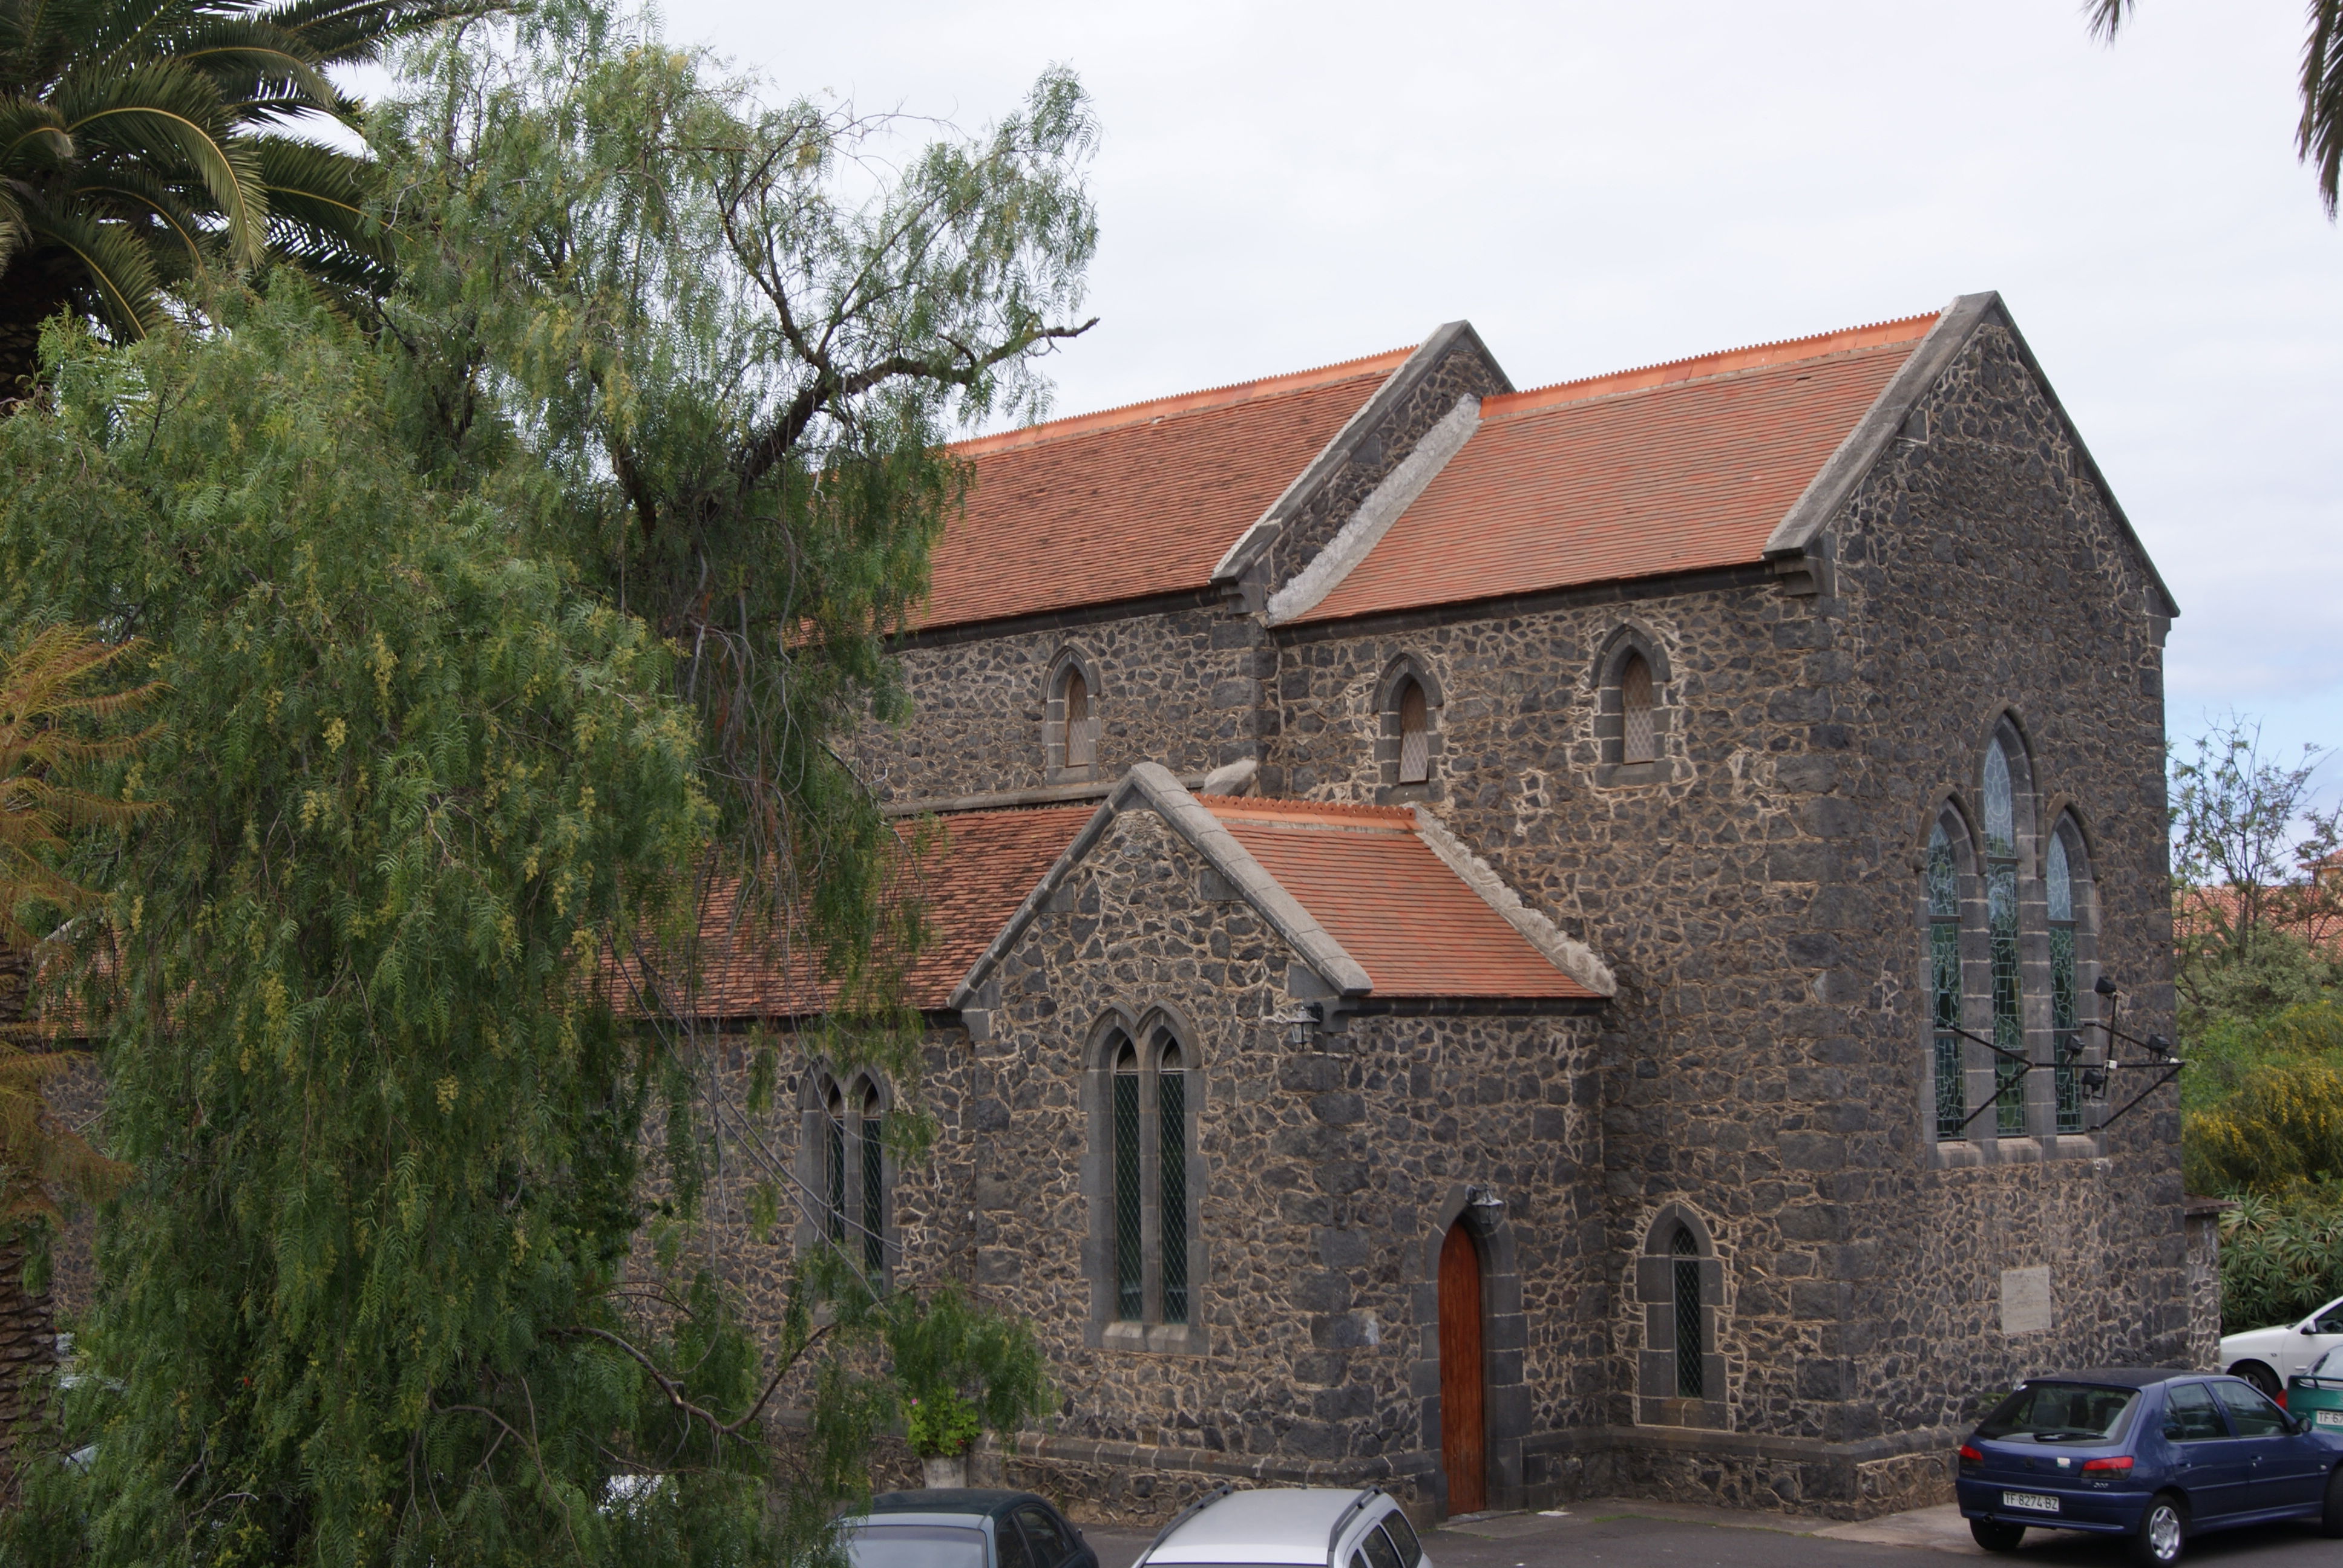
(2319, 137)
(133, 194)
(120, 271)
(2107, 15)
(351, 32)
(169, 109)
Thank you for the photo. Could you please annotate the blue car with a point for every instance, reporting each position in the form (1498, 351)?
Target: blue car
(2154, 1455)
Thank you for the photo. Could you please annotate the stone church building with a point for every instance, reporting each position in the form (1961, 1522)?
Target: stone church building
(1522, 943)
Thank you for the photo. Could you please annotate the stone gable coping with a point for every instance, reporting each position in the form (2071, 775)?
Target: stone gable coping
(1834, 484)
(1404, 381)
(1571, 956)
(1150, 785)
(1376, 514)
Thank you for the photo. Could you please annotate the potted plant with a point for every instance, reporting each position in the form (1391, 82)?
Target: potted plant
(963, 1371)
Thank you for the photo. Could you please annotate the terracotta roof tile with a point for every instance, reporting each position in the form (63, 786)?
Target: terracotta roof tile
(1136, 501)
(1671, 469)
(1394, 906)
(975, 872)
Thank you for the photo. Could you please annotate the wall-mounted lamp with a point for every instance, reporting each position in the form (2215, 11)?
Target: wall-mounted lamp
(1300, 1023)
(1485, 1202)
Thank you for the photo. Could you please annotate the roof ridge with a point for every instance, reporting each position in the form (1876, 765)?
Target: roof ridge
(1221, 397)
(1718, 362)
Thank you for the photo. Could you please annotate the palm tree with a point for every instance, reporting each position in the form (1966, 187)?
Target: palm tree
(139, 152)
(2319, 135)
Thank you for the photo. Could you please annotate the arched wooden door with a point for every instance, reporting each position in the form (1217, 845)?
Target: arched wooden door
(1464, 1423)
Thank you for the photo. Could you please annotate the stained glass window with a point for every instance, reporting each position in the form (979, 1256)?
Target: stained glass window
(1081, 729)
(2008, 1017)
(2059, 891)
(1690, 1380)
(1129, 1275)
(1944, 983)
(833, 1128)
(2000, 805)
(1171, 1114)
(874, 1189)
(1639, 741)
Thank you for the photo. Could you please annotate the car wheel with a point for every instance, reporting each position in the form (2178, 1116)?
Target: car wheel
(2163, 1533)
(2331, 1521)
(2262, 1377)
(1995, 1536)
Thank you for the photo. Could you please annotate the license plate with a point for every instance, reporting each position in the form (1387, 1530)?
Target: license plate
(2327, 1418)
(2034, 1501)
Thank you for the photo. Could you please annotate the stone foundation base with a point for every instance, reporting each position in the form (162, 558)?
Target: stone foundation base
(1135, 1483)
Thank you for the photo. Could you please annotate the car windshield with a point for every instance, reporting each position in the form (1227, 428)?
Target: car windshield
(2060, 1412)
(915, 1546)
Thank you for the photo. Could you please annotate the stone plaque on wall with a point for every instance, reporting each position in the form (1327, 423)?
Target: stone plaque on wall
(2026, 1300)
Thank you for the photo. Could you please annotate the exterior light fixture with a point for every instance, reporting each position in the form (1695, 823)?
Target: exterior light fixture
(1300, 1023)
(1485, 1202)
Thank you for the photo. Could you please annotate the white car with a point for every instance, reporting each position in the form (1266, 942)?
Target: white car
(1288, 1527)
(2267, 1358)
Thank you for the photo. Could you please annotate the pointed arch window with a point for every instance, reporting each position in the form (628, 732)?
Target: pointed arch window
(1944, 983)
(833, 1165)
(846, 1148)
(871, 1135)
(1148, 1107)
(1414, 733)
(1638, 736)
(1691, 1381)
(2002, 933)
(2066, 898)
(1082, 728)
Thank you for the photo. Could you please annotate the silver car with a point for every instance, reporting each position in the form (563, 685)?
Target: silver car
(1288, 1527)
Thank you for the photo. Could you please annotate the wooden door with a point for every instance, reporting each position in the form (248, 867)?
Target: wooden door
(1462, 1398)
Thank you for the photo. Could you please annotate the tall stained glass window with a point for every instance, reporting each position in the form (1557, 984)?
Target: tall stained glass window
(1690, 1380)
(2058, 891)
(1414, 733)
(2001, 924)
(873, 1141)
(1944, 983)
(1638, 734)
(833, 1165)
(1130, 1261)
(1172, 1117)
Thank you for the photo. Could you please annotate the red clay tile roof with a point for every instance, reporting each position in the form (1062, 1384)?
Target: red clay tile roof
(1394, 906)
(1670, 468)
(977, 871)
(1136, 501)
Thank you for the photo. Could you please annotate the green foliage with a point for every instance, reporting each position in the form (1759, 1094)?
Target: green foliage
(2283, 1127)
(2227, 988)
(2281, 1257)
(963, 1368)
(2229, 1046)
(359, 1296)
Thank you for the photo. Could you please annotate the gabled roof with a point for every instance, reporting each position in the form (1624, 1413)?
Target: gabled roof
(1133, 502)
(1375, 900)
(975, 870)
(1670, 468)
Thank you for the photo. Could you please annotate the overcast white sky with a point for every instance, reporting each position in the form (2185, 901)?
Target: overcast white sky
(1597, 185)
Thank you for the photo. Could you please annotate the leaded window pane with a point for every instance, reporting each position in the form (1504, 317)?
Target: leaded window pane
(1129, 1302)
(2058, 880)
(1691, 1382)
(834, 1172)
(2063, 1033)
(1414, 735)
(2000, 804)
(1081, 729)
(1171, 1112)
(1637, 740)
(2009, 1020)
(1943, 878)
(874, 1193)
(1944, 983)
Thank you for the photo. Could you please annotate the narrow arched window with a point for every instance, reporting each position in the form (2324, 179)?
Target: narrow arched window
(2001, 929)
(872, 1136)
(1172, 1183)
(1081, 729)
(833, 1165)
(1638, 741)
(2060, 896)
(1414, 733)
(1691, 1381)
(1130, 1202)
(1945, 984)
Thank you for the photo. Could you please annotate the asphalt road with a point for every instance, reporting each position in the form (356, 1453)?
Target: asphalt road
(1632, 1535)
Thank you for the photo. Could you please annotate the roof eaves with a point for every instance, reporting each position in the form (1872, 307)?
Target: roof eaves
(1151, 786)
(1846, 469)
(1401, 385)
(1571, 956)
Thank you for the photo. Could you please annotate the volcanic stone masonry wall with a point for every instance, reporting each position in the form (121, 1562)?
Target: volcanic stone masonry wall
(1766, 1060)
